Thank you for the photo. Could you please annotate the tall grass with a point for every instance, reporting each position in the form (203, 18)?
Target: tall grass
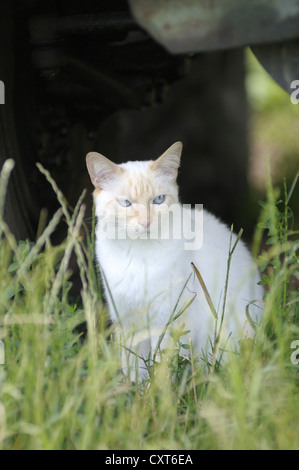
(58, 392)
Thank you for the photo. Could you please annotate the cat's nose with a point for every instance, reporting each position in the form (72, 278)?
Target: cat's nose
(145, 223)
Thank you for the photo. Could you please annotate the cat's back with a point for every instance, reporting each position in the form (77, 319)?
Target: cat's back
(218, 239)
(212, 258)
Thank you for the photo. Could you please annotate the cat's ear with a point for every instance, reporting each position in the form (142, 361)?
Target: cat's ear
(101, 170)
(169, 161)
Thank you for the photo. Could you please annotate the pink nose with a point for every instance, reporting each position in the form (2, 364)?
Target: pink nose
(145, 223)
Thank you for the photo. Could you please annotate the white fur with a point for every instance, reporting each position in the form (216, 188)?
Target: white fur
(146, 277)
(143, 280)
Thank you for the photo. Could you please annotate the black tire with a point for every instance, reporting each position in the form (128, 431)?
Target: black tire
(21, 210)
(28, 118)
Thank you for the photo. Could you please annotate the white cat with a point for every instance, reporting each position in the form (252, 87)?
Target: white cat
(145, 269)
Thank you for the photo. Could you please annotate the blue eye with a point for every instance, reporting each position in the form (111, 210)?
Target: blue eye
(159, 199)
(124, 202)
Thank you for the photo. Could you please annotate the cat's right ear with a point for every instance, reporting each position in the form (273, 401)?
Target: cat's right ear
(102, 171)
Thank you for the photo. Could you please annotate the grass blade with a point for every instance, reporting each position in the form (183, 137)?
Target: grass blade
(205, 291)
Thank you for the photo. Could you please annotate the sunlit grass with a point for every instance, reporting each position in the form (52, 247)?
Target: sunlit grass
(60, 392)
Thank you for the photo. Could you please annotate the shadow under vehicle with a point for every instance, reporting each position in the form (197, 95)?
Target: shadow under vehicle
(128, 78)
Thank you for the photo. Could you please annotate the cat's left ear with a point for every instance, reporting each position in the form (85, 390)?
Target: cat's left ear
(169, 161)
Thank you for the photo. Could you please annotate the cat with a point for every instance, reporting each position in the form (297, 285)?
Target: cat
(149, 279)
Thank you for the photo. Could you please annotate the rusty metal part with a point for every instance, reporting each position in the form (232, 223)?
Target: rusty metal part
(184, 26)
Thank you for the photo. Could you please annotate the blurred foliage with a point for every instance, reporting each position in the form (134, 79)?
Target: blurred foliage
(273, 130)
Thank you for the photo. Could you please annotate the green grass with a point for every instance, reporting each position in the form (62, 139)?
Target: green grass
(59, 392)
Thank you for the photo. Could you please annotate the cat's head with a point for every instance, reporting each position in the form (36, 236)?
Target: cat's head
(133, 196)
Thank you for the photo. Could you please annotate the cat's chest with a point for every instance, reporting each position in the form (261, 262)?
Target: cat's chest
(139, 274)
(131, 266)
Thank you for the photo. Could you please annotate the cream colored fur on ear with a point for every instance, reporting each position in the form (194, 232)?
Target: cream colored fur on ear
(169, 161)
(102, 171)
